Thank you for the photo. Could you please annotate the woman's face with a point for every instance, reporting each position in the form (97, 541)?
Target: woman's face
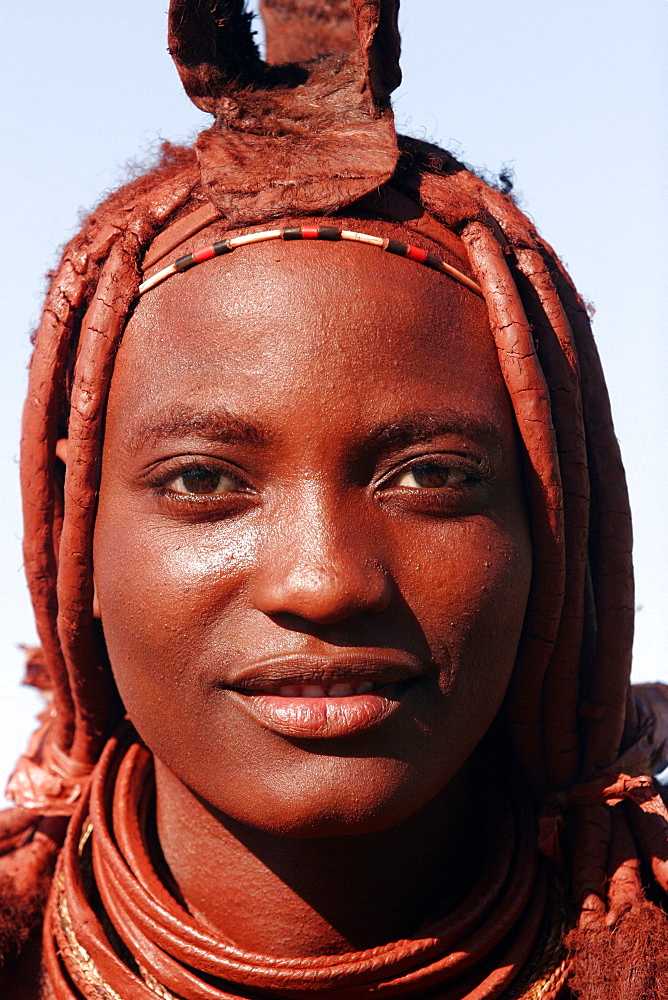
(312, 557)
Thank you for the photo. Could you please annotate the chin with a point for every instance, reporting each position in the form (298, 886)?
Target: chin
(379, 793)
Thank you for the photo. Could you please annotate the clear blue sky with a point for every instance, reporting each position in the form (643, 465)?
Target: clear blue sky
(570, 93)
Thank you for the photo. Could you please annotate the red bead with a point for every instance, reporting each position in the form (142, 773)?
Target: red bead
(415, 253)
(204, 253)
(310, 232)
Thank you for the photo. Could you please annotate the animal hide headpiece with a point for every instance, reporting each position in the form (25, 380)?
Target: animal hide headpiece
(311, 130)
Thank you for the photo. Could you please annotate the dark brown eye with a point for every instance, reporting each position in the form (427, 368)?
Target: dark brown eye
(429, 476)
(203, 482)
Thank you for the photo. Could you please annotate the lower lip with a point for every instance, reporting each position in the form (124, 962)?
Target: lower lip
(323, 718)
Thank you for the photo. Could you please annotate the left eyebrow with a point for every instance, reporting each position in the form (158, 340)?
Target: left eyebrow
(215, 425)
(417, 427)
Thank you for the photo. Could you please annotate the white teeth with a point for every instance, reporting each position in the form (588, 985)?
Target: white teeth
(340, 690)
(313, 691)
(290, 691)
(364, 687)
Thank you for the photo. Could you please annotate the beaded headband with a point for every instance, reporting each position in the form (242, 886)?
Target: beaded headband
(329, 233)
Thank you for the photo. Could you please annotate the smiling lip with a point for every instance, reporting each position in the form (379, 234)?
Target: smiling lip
(324, 697)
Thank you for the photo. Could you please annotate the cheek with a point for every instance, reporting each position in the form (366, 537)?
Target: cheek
(162, 594)
(469, 589)
(470, 598)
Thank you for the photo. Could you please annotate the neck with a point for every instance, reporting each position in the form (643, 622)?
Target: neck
(279, 895)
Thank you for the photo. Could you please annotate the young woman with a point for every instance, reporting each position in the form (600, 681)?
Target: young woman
(329, 547)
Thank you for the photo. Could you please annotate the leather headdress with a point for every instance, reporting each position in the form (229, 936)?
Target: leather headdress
(307, 136)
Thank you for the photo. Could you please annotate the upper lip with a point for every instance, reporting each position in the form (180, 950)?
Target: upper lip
(377, 666)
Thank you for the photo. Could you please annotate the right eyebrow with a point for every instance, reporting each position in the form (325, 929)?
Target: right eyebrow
(416, 427)
(217, 426)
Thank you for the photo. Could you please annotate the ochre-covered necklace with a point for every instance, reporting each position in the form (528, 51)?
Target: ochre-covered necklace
(114, 931)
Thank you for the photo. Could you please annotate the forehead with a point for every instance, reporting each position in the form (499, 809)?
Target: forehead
(346, 325)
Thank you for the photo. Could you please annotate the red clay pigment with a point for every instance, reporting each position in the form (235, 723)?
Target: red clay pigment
(329, 551)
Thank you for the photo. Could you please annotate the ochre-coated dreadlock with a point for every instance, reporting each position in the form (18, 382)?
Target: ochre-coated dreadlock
(265, 157)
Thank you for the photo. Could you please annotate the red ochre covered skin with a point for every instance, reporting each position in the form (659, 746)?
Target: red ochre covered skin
(324, 417)
(350, 513)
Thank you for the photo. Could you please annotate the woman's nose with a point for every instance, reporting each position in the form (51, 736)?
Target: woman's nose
(319, 562)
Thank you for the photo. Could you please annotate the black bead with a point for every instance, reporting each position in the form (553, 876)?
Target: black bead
(184, 263)
(431, 260)
(394, 246)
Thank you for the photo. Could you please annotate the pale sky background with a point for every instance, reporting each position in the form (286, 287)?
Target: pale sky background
(570, 93)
